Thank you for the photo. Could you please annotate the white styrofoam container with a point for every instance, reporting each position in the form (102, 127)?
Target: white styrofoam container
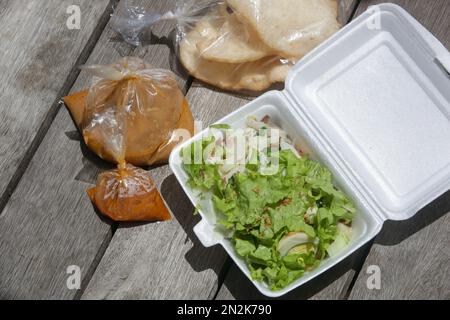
(373, 105)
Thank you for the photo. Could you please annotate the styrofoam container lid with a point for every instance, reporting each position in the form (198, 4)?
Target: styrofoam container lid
(377, 96)
(373, 103)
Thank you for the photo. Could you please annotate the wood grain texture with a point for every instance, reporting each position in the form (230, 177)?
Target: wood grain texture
(330, 285)
(49, 223)
(413, 255)
(56, 224)
(41, 229)
(165, 260)
(38, 53)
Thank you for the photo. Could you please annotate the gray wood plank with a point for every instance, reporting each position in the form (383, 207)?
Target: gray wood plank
(49, 223)
(38, 54)
(331, 285)
(39, 235)
(164, 260)
(413, 255)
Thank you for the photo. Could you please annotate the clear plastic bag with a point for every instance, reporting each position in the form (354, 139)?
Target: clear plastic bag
(128, 194)
(132, 111)
(132, 115)
(237, 44)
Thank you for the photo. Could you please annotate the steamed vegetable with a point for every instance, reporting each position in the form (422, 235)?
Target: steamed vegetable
(285, 218)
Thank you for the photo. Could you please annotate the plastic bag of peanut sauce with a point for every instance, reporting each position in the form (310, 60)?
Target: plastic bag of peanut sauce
(132, 115)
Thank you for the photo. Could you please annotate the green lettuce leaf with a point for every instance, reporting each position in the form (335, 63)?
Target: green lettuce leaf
(262, 209)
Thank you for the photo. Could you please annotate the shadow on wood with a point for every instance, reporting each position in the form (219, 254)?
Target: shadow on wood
(151, 39)
(241, 288)
(394, 232)
(93, 165)
(183, 210)
(238, 285)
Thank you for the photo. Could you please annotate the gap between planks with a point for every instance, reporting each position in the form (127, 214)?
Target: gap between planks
(53, 111)
(411, 278)
(115, 276)
(350, 8)
(115, 225)
(48, 121)
(110, 235)
(23, 249)
(226, 267)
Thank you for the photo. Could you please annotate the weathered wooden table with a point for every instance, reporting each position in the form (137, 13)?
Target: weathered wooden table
(48, 224)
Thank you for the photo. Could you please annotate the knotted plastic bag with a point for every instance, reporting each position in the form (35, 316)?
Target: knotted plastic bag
(132, 112)
(128, 194)
(238, 45)
(132, 115)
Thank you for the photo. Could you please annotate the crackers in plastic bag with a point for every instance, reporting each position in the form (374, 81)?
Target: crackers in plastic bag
(242, 45)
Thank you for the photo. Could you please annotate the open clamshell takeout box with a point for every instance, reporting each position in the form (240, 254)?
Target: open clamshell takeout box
(373, 105)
